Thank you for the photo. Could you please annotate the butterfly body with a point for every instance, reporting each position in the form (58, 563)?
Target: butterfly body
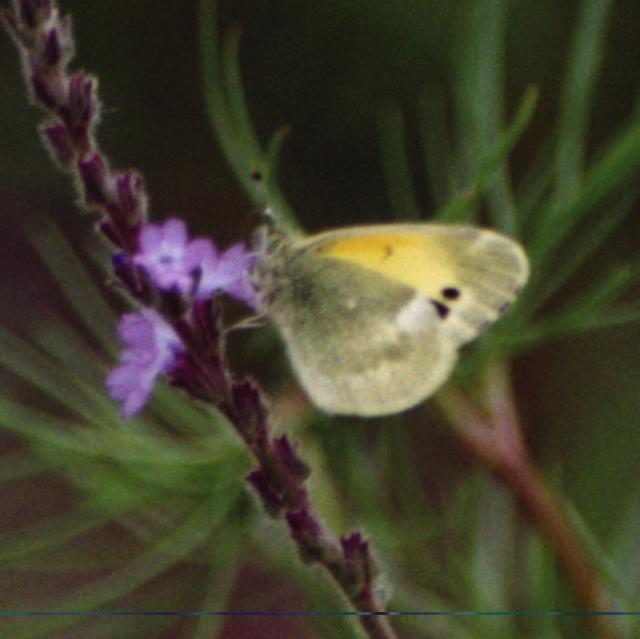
(373, 316)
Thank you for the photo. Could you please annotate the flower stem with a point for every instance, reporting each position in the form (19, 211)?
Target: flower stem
(491, 430)
(279, 480)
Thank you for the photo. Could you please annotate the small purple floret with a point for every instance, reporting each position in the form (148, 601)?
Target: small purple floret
(193, 267)
(228, 272)
(169, 257)
(150, 348)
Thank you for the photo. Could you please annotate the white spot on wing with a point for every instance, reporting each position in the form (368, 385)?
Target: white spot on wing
(412, 316)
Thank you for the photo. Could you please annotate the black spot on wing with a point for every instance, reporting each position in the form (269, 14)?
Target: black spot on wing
(451, 293)
(441, 309)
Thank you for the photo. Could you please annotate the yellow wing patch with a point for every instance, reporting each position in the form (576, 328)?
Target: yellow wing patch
(422, 262)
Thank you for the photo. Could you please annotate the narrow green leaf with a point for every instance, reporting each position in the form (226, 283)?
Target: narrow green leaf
(436, 145)
(541, 574)
(213, 84)
(479, 91)
(39, 427)
(177, 411)
(69, 349)
(54, 380)
(611, 287)
(274, 149)
(84, 297)
(534, 188)
(406, 488)
(128, 445)
(224, 568)
(587, 312)
(626, 548)
(182, 540)
(618, 165)
(492, 562)
(396, 168)
(601, 557)
(557, 327)
(21, 465)
(410, 597)
(246, 136)
(230, 118)
(506, 141)
(461, 209)
(577, 98)
(590, 239)
(56, 530)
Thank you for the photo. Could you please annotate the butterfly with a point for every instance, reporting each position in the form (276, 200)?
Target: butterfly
(373, 316)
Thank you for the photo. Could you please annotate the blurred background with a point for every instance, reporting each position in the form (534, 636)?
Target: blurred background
(81, 520)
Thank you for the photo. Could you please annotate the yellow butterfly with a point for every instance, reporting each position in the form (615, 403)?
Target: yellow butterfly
(373, 316)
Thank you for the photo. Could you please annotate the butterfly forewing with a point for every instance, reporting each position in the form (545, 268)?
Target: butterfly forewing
(471, 275)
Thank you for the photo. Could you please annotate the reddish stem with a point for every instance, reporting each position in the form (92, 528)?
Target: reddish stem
(492, 433)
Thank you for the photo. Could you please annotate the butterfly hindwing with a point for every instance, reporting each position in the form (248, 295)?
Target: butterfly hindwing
(359, 344)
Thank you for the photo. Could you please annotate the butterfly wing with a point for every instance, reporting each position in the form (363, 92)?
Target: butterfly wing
(373, 316)
(471, 275)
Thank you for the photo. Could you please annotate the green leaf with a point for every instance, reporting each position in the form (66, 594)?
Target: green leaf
(618, 165)
(558, 327)
(589, 241)
(55, 531)
(84, 297)
(229, 116)
(436, 144)
(459, 208)
(577, 99)
(179, 543)
(602, 558)
(224, 567)
(19, 465)
(479, 88)
(395, 164)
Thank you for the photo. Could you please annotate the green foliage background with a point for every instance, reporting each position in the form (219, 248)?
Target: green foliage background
(394, 110)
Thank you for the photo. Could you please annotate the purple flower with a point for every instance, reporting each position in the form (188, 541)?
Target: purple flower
(150, 348)
(228, 272)
(190, 267)
(193, 267)
(169, 257)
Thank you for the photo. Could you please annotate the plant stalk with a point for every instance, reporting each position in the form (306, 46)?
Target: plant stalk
(491, 431)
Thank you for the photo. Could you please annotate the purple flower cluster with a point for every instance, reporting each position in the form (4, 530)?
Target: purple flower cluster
(158, 264)
(193, 268)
